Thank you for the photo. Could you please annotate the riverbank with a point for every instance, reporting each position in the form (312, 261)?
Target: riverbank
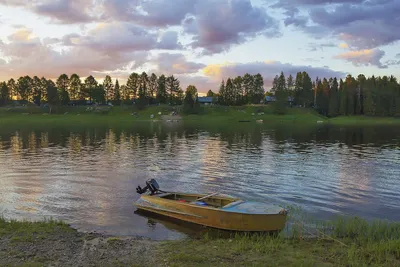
(56, 244)
(353, 242)
(127, 116)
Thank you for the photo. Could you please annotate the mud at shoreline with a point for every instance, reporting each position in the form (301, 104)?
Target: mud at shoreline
(60, 245)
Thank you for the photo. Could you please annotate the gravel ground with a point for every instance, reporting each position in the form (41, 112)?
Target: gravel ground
(71, 248)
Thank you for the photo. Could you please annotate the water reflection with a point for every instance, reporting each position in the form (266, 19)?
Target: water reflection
(88, 176)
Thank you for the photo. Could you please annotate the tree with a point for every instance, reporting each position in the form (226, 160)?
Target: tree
(24, 87)
(290, 83)
(343, 98)
(43, 87)
(117, 94)
(52, 95)
(75, 87)
(258, 89)
(143, 84)
(360, 94)
(229, 89)
(62, 85)
(210, 93)
(161, 90)
(132, 85)
(99, 94)
(37, 90)
(236, 94)
(172, 86)
(90, 86)
(281, 95)
(190, 105)
(12, 87)
(334, 99)
(124, 92)
(108, 88)
(248, 88)
(222, 93)
(153, 85)
(4, 93)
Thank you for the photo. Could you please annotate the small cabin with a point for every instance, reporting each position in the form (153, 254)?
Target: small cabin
(206, 100)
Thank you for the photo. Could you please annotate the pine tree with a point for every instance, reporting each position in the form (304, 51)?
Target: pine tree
(334, 99)
(62, 86)
(75, 87)
(4, 93)
(162, 95)
(117, 93)
(132, 85)
(108, 88)
(222, 94)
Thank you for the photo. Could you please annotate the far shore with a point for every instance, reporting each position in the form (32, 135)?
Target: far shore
(128, 115)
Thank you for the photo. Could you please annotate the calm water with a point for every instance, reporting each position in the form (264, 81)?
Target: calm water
(88, 177)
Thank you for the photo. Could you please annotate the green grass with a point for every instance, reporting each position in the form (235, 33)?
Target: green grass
(364, 120)
(342, 242)
(128, 116)
(351, 242)
(29, 231)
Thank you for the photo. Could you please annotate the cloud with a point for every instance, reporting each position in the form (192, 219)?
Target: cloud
(344, 45)
(202, 83)
(217, 25)
(66, 11)
(14, 2)
(175, 64)
(118, 37)
(398, 55)
(28, 55)
(212, 26)
(315, 46)
(289, 3)
(169, 41)
(364, 57)
(160, 13)
(293, 17)
(362, 24)
(267, 69)
(392, 62)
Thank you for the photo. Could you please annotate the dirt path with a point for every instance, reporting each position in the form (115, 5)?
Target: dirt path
(72, 248)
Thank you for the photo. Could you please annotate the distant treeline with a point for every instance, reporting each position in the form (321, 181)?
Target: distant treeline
(376, 96)
(151, 88)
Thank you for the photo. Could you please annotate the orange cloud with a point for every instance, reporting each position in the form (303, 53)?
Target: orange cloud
(364, 57)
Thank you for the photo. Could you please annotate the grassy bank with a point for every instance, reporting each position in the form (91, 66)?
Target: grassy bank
(126, 115)
(345, 242)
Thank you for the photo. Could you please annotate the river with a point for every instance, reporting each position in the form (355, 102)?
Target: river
(88, 177)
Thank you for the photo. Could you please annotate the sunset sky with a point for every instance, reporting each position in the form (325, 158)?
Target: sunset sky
(199, 41)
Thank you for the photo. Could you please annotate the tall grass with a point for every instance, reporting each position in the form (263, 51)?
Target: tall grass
(306, 241)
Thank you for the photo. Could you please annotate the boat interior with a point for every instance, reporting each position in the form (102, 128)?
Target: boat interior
(203, 200)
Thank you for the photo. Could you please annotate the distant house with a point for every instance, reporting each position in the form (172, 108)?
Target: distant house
(206, 100)
(269, 99)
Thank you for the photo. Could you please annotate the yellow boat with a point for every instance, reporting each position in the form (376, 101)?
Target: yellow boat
(222, 212)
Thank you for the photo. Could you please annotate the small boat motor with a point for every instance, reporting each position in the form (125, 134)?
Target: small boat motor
(151, 185)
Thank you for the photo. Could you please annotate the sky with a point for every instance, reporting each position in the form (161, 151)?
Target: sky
(199, 41)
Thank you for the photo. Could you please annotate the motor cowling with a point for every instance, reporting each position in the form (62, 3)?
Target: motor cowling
(151, 185)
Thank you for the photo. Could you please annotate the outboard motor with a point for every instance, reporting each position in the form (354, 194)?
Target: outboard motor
(151, 185)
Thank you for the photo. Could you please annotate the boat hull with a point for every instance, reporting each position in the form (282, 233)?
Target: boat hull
(242, 216)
